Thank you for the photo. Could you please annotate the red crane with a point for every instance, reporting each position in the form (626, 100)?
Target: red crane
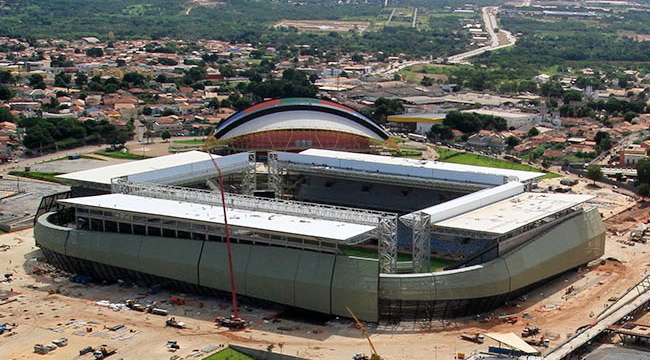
(225, 221)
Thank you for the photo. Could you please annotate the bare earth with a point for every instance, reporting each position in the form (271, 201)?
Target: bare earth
(42, 317)
(324, 25)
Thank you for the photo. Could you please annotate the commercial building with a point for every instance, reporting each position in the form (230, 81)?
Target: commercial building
(514, 119)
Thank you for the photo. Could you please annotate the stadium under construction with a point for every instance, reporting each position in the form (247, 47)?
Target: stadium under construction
(321, 230)
(392, 238)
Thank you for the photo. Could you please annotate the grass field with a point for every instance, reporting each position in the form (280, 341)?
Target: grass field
(451, 156)
(191, 141)
(436, 263)
(45, 176)
(81, 156)
(228, 354)
(121, 155)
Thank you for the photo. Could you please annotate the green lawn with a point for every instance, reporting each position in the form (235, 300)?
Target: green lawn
(228, 354)
(479, 160)
(191, 141)
(81, 156)
(45, 176)
(358, 251)
(121, 155)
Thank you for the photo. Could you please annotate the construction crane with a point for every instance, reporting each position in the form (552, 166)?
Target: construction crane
(374, 355)
(210, 142)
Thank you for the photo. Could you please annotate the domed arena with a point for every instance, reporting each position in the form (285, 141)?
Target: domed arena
(296, 124)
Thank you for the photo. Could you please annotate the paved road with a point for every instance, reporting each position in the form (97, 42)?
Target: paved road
(490, 20)
(602, 324)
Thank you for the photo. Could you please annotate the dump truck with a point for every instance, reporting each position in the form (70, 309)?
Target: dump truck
(530, 331)
(477, 338)
(104, 351)
(173, 323)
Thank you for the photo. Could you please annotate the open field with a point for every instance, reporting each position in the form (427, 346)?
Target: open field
(228, 354)
(325, 25)
(45, 176)
(121, 155)
(451, 156)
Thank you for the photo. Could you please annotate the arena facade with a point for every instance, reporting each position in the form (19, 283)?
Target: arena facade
(159, 221)
(297, 124)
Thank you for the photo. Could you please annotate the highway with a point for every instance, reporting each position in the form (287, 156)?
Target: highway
(489, 14)
(490, 21)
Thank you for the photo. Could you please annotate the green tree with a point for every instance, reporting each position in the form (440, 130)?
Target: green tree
(594, 172)
(146, 111)
(36, 81)
(426, 81)
(512, 141)
(644, 190)
(95, 52)
(5, 93)
(6, 77)
(533, 132)
(62, 80)
(166, 135)
(80, 80)
(5, 115)
(643, 171)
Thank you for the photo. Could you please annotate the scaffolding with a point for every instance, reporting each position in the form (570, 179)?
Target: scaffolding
(387, 242)
(421, 243)
(275, 175)
(249, 178)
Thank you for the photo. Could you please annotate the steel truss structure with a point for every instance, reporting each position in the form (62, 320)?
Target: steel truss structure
(385, 222)
(249, 178)
(387, 241)
(276, 182)
(421, 244)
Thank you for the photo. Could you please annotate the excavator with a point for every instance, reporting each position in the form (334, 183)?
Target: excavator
(374, 355)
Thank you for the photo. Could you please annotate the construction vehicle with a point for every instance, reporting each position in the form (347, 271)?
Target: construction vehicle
(43, 349)
(541, 342)
(477, 338)
(530, 331)
(182, 300)
(153, 309)
(131, 304)
(6, 327)
(511, 319)
(173, 323)
(374, 355)
(231, 322)
(104, 351)
(60, 342)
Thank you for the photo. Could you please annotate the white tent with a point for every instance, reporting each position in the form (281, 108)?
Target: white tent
(513, 341)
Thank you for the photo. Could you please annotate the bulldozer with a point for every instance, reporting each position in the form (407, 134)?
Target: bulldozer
(374, 355)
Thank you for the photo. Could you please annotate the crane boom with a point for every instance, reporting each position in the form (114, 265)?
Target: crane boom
(363, 328)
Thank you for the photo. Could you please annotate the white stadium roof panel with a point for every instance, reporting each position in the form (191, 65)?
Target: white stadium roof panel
(301, 120)
(510, 214)
(471, 201)
(104, 174)
(471, 170)
(262, 221)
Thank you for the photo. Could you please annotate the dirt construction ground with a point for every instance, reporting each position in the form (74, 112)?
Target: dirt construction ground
(46, 306)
